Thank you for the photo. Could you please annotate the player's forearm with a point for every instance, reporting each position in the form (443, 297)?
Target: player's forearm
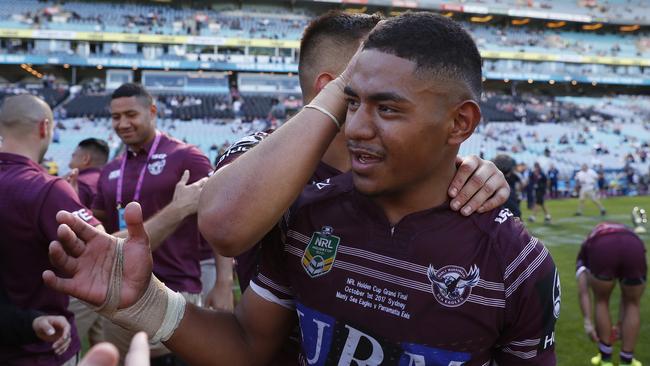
(583, 296)
(159, 226)
(206, 337)
(224, 269)
(244, 200)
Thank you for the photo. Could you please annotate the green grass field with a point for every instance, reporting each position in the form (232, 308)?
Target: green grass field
(563, 238)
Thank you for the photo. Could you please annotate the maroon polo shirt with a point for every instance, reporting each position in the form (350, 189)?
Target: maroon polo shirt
(176, 261)
(438, 288)
(87, 185)
(29, 201)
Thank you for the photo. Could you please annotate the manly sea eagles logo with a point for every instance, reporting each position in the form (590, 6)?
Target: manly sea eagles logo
(452, 285)
(156, 167)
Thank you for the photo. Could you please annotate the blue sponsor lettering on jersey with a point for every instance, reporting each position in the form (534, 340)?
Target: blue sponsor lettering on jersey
(328, 341)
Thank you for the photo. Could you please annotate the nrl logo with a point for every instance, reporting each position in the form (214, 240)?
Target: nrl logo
(452, 285)
(320, 253)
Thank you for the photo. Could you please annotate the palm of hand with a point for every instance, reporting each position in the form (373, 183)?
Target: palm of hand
(86, 255)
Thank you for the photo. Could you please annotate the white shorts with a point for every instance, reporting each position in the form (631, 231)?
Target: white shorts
(588, 193)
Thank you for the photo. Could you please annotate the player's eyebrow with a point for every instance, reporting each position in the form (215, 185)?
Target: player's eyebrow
(378, 97)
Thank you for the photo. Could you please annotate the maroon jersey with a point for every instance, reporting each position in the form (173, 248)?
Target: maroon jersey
(29, 201)
(87, 184)
(613, 251)
(176, 260)
(436, 289)
(247, 263)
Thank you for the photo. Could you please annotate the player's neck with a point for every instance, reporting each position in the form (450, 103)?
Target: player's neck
(21, 148)
(419, 196)
(136, 147)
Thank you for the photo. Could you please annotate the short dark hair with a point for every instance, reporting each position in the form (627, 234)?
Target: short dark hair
(437, 44)
(343, 29)
(98, 149)
(127, 90)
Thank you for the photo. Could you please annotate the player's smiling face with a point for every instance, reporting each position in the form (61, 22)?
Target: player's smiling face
(397, 125)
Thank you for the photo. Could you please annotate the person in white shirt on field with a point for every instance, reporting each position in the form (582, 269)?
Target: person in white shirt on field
(587, 179)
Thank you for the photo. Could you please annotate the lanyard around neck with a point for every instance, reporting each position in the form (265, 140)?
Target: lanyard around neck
(138, 186)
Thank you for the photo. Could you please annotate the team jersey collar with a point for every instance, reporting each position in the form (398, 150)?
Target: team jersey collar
(9, 158)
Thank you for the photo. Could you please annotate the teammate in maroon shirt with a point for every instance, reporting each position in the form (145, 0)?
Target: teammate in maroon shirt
(30, 200)
(612, 252)
(86, 164)
(148, 173)
(88, 159)
(381, 234)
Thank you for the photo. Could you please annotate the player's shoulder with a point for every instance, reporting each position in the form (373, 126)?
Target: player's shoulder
(241, 146)
(323, 192)
(507, 234)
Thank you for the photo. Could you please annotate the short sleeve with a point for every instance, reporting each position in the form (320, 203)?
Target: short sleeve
(581, 261)
(197, 163)
(272, 282)
(86, 194)
(61, 196)
(532, 293)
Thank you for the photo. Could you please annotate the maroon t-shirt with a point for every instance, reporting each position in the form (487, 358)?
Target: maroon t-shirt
(29, 201)
(436, 289)
(87, 185)
(176, 261)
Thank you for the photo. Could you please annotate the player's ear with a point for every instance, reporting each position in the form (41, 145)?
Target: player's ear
(44, 128)
(321, 80)
(466, 116)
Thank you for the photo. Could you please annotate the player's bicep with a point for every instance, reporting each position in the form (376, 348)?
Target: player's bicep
(266, 323)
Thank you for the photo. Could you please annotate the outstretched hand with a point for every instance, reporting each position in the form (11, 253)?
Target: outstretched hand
(85, 255)
(186, 196)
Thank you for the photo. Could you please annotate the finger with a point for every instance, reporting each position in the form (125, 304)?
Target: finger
(184, 178)
(102, 354)
(134, 222)
(69, 241)
(82, 230)
(62, 346)
(472, 185)
(463, 173)
(64, 285)
(138, 354)
(482, 196)
(497, 200)
(62, 323)
(62, 260)
(201, 182)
